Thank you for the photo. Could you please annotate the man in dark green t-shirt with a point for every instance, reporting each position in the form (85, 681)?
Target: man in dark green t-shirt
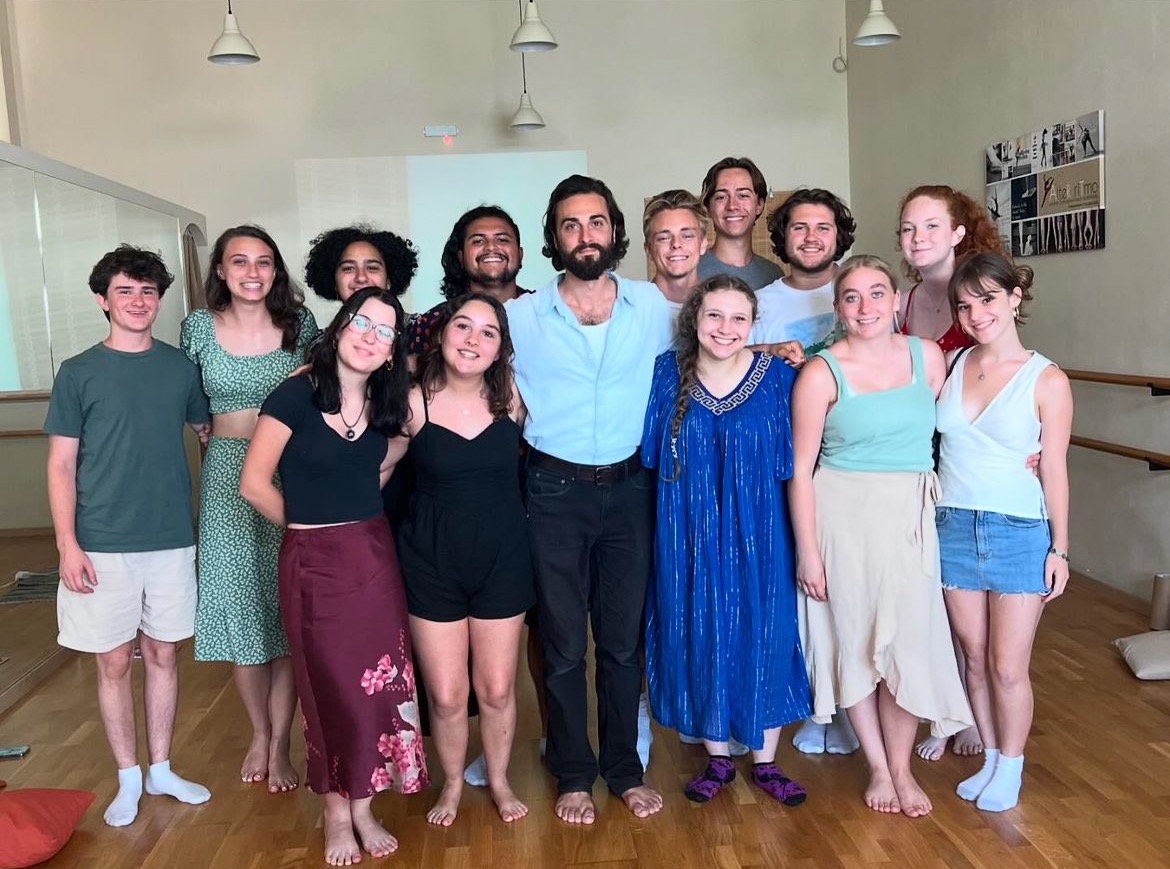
(120, 495)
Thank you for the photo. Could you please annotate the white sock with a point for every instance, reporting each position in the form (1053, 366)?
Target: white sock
(124, 809)
(971, 788)
(476, 772)
(839, 737)
(1003, 791)
(645, 735)
(810, 737)
(160, 780)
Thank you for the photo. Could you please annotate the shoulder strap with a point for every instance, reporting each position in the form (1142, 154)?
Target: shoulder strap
(838, 375)
(955, 360)
(917, 363)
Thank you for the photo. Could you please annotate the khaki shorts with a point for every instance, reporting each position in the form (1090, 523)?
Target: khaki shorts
(153, 592)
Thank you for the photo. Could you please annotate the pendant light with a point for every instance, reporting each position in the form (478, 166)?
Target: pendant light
(877, 28)
(532, 34)
(232, 47)
(526, 117)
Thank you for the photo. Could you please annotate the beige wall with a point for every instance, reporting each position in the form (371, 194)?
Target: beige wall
(654, 90)
(967, 74)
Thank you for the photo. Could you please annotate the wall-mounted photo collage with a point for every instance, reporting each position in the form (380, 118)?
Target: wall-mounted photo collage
(1046, 189)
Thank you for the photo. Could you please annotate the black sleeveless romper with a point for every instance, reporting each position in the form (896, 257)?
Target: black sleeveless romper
(464, 544)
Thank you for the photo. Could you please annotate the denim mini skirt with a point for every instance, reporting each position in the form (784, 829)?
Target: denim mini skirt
(993, 552)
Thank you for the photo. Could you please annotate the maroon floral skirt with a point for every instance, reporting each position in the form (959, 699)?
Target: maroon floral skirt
(344, 610)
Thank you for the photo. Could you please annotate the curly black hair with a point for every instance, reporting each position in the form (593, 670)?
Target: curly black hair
(325, 252)
(778, 220)
(575, 185)
(133, 262)
(454, 274)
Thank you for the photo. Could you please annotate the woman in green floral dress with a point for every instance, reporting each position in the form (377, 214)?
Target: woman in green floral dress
(251, 335)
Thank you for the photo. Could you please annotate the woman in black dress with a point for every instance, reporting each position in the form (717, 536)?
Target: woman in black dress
(464, 543)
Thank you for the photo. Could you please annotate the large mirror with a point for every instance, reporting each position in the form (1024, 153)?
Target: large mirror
(53, 231)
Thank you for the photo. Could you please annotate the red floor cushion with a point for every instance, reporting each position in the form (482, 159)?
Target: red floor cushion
(35, 823)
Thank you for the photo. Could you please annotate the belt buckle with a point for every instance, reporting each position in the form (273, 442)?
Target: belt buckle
(604, 475)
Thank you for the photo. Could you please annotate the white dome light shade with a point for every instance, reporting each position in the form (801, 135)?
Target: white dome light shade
(877, 28)
(527, 117)
(232, 47)
(532, 34)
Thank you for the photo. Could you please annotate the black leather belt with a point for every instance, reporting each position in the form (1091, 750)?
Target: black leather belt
(594, 475)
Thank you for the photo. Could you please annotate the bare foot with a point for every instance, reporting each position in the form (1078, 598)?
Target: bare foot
(281, 775)
(576, 807)
(913, 800)
(255, 766)
(507, 803)
(931, 748)
(446, 807)
(967, 743)
(881, 795)
(375, 838)
(341, 848)
(642, 801)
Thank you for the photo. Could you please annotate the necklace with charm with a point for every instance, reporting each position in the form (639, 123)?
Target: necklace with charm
(349, 433)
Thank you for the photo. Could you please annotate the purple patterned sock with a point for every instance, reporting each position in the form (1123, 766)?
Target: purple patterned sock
(720, 771)
(768, 778)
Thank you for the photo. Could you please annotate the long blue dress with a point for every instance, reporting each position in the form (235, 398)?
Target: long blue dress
(723, 652)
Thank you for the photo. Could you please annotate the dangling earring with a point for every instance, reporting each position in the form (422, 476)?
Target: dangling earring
(389, 364)
(1015, 313)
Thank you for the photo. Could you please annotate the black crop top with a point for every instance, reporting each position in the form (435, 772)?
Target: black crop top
(326, 479)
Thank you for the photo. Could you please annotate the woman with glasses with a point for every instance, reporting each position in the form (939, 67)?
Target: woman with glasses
(334, 434)
(247, 340)
(464, 543)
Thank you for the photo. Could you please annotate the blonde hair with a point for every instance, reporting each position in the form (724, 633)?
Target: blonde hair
(671, 200)
(862, 261)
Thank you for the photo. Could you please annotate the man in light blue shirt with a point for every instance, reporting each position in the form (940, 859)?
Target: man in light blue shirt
(585, 348)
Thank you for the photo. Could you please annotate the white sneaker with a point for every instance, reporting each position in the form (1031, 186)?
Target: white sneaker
(476, 773)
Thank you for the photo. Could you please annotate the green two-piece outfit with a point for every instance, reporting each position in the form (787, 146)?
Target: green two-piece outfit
(238, 615)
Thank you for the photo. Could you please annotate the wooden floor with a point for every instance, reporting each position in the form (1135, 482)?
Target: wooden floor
(1096, 787)
(28, 631)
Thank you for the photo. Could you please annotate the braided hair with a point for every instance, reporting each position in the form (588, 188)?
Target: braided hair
(687, 353)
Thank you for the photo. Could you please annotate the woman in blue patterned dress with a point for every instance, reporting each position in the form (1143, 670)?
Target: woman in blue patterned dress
(723, 657)
(251, 335)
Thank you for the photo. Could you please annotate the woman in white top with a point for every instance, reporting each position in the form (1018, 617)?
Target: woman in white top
(1003, 531)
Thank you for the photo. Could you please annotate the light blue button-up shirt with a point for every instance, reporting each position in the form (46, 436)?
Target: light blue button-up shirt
(583, 408)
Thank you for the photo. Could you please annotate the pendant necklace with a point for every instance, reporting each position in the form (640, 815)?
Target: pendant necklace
(349, 428)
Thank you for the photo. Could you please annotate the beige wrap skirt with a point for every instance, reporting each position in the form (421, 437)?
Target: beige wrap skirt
(885, 620)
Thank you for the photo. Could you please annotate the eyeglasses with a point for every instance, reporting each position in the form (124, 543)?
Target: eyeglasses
(361, 324)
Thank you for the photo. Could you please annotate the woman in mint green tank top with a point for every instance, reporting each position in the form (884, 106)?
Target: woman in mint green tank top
(862, 497)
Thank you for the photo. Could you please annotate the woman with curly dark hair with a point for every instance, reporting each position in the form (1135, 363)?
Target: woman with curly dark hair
(334, 433)
(723, 658)
(464, 543)
(342, 261)
(247, 340)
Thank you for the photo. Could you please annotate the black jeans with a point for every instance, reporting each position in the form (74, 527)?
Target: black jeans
(591, 549)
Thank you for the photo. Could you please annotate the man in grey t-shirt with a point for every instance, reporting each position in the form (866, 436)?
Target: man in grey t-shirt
(120, 496)
(734, 193)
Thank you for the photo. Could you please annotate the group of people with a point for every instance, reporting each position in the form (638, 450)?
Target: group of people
(640, 460)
